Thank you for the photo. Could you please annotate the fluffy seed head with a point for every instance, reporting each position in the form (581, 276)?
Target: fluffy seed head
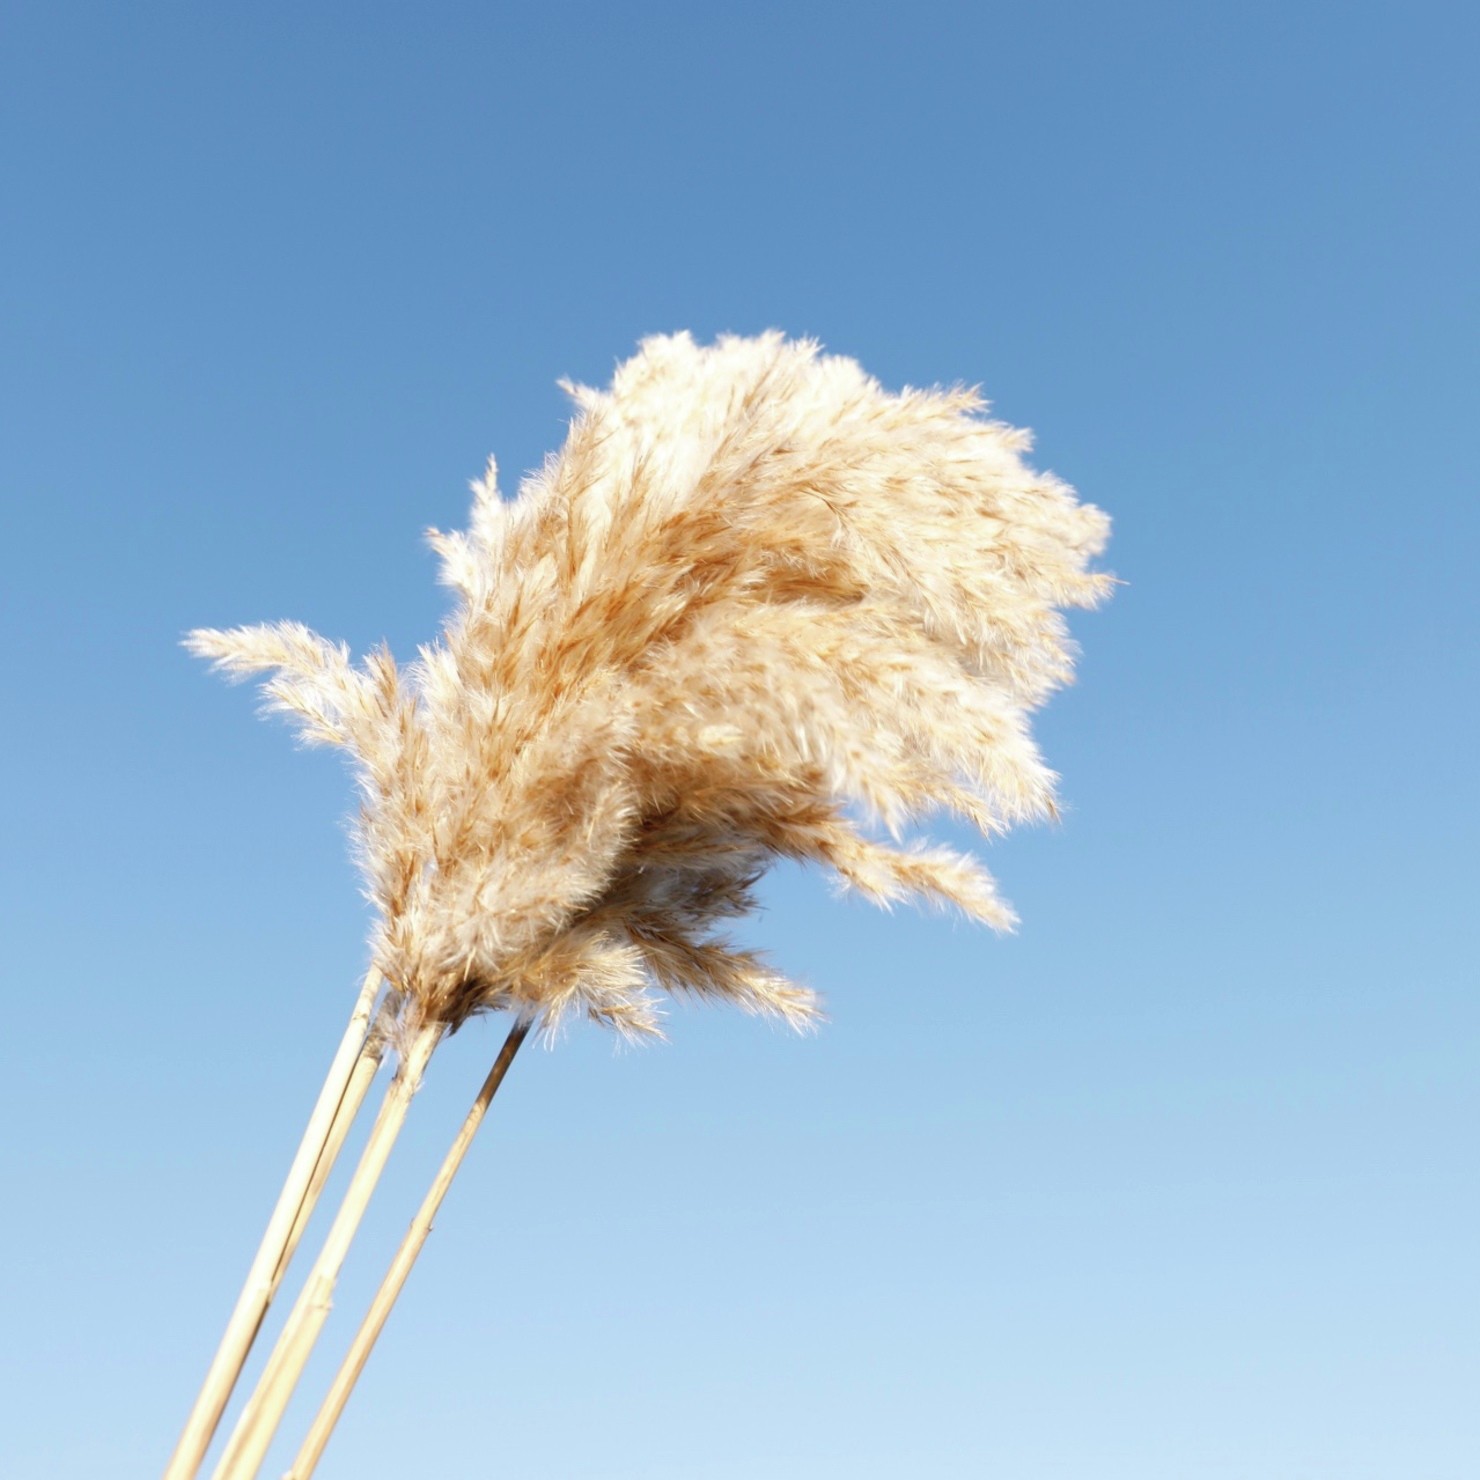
(756, 607)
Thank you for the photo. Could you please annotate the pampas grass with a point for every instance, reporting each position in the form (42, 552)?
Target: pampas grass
(756, 608)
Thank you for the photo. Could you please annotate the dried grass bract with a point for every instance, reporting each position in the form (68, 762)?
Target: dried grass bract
(753, 600)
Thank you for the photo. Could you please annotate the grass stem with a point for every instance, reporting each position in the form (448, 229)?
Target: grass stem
(294, 1203)
(261, 1417)
(390, 1288)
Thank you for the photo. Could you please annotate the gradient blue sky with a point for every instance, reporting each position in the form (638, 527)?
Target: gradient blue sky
(1179, 1182)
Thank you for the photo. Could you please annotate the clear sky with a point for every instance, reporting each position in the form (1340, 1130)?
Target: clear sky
(1177, 1184)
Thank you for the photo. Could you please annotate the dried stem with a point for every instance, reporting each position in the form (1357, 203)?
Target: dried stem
(363, 1075)
(390, 1288)
(294, 1204)
(264, 1411)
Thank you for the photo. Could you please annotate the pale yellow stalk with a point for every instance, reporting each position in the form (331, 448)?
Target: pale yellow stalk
(264, 1411)
(294, 1203)
(361, 1078)
(391, 1286)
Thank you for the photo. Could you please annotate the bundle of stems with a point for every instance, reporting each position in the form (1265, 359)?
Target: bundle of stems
(756, 608)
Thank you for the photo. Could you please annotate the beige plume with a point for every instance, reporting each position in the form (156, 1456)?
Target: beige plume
(757, 607)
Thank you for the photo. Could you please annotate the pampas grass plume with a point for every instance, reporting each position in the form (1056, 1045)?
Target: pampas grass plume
(757, 607)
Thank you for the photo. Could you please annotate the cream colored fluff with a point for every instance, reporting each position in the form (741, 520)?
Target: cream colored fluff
(756, 607)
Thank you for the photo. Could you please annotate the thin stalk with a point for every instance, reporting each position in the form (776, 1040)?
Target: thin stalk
(271, 1259)
(264, 1411)
(390, 1287)
(360, 1080)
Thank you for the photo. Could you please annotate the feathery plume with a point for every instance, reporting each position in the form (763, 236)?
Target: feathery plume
(755, 599)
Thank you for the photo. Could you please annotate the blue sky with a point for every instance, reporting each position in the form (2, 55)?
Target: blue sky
(1180, 1180)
